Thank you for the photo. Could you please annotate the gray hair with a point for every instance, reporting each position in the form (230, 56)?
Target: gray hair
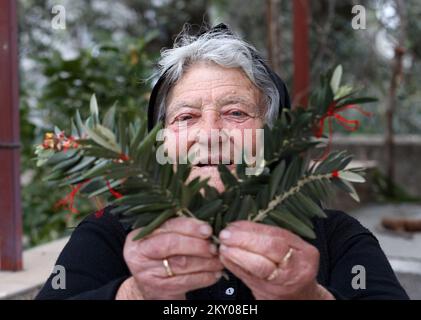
(226, 50)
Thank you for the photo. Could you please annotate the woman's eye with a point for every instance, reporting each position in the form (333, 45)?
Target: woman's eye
(185, 117)
(237, 113)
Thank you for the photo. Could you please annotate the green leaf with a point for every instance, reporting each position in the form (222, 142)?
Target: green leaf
(209, 209)
(60, 156)
(79, 124)
(218, 223)
(166, 174)
(288, 221)
(144, 219)
(233, 208)
(227, 177)
(350, 101)
(276, 178)
(336, 79)
(83, 164)
(140, 133)
(245, 209)
(263, 197)
(104, 189)
(154, 224)
(104, 137)
(351, 176)
(148, 142)
(65, 164)
(92, 185)
(292, 174)
(93, 105)
(332, 162)
(149, 208)
(109, 118)
(141, 199)
(347, 187)
(312, 207)
(98, 169)
(122, 134)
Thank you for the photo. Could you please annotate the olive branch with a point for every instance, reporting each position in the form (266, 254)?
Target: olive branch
(115, 159)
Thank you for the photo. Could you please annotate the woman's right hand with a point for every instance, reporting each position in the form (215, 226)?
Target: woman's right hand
(193, 259)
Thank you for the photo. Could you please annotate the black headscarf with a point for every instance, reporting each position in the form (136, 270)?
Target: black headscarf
(284, 100)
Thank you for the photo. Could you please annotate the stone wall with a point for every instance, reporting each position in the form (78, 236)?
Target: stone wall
(408, 156)
(371, 149)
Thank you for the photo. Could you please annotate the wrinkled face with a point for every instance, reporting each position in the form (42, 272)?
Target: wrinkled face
(207, 100)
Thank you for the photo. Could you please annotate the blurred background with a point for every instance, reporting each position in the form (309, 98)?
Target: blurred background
(110, 48)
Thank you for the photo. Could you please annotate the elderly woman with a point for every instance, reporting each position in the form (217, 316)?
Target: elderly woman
(217, 81)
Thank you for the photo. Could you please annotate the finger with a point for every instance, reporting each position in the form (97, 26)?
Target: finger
(265, 229)
(180, 283)
(255, 264)
(283, 277)
(254, 283)
(271, 246)
(187, 226)
(164, 245)
(263, 289)
(182, 265)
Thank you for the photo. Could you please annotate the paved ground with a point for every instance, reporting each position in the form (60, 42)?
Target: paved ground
(402, 249)
(38, 263)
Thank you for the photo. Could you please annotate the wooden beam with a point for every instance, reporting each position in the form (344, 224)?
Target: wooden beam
(301, 83)
(10, 206)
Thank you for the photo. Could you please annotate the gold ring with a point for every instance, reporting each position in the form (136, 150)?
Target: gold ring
(286, 258)
(167, 268)
(272, 275)
(284, 261)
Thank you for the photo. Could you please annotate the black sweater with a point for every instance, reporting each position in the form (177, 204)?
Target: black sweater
(95, 268)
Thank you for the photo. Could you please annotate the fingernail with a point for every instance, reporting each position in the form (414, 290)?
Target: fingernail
(213, 249)
(205, 230)
(218, 275)
(224, 235)
(222, 247)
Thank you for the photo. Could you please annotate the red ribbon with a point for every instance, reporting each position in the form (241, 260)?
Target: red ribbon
(99, 213)
(115, 193)
(333, 113)
(124, 157)
(69, 200)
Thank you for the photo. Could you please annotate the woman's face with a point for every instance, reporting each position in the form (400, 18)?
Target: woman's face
(207, 99)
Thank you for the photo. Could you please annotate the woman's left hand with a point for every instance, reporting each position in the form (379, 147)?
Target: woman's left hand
(273, 262)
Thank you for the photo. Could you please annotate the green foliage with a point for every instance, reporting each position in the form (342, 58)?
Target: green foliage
(287, 192)
(115, 73)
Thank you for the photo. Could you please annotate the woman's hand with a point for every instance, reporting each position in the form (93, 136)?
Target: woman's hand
(192, 258)
(273, 262)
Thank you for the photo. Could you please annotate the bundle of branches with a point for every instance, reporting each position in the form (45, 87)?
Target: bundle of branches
(115, 159)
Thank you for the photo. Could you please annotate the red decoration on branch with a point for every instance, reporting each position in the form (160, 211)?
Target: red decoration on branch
(333, 113)
(335, 174)
(68, 201)
(59, 142)
(99, 213)
(124, 157)
(115, 193)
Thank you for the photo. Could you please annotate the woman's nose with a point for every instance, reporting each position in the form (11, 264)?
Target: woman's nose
(211, 120)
